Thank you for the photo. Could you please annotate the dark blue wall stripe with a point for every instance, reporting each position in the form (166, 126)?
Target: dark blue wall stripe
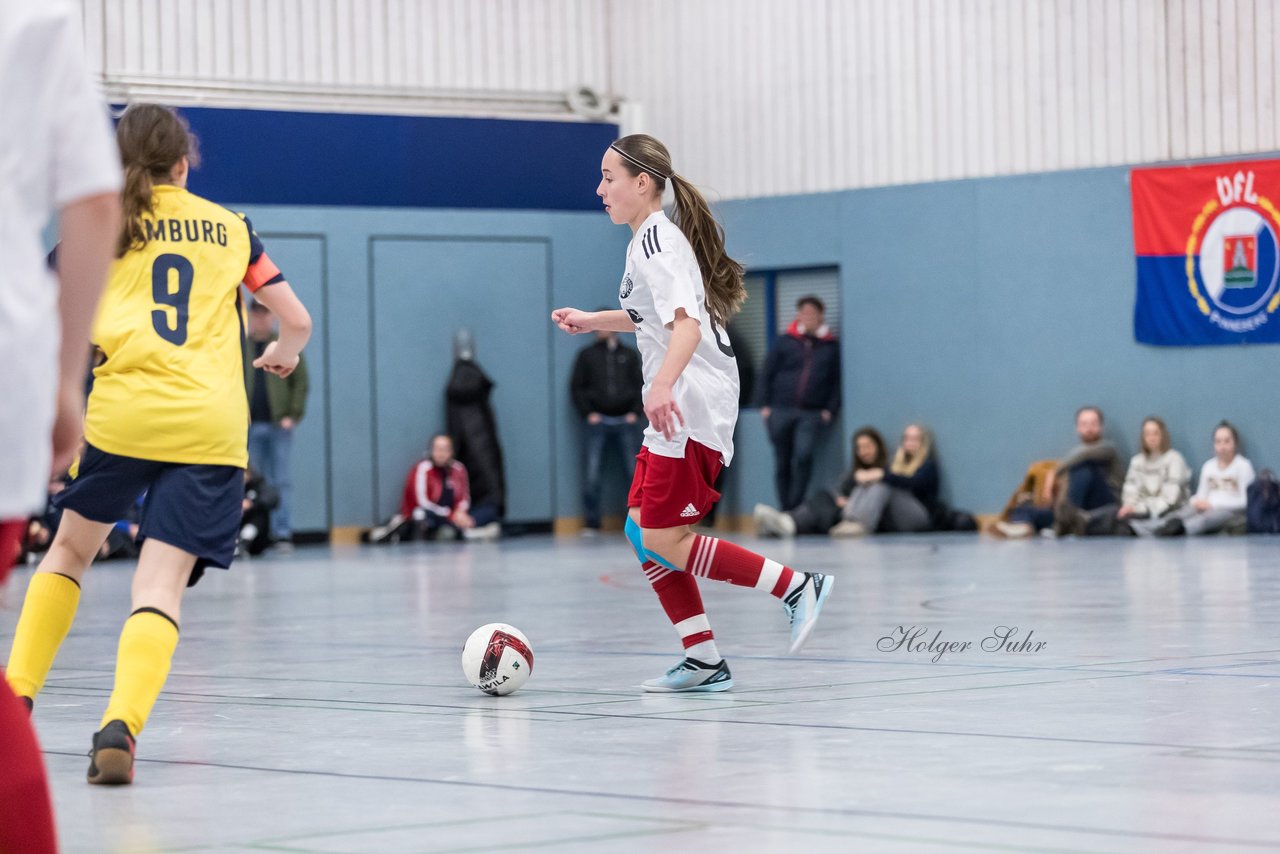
(288, 158)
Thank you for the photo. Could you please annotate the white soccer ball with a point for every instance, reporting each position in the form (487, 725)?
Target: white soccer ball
(497, 659)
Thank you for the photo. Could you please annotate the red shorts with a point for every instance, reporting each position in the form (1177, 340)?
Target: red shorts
(671, 491)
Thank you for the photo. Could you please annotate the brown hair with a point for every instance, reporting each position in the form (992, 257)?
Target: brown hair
(1095, 410)
(882, 456)
(721, 275)
(1165, 443)
(152, 140)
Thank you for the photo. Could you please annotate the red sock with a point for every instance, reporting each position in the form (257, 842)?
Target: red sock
(26, 816)
(678, 593)
(723, 561)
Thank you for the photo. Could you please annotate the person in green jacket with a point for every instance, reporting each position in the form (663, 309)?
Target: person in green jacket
(276, 407)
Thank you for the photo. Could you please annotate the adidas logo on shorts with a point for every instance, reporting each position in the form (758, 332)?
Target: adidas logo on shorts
(688, 511)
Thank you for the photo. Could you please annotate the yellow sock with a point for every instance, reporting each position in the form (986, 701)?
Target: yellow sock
(47, 614)
(146, 650)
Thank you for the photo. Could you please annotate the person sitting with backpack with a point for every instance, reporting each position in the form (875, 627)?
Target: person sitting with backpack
(1088, 478)
(1222, 494)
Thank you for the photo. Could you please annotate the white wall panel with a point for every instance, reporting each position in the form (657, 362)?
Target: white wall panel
(754, 97)
(920, 90)
(488, 57)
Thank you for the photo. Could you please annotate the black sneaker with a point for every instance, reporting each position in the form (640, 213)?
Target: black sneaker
(111, 760)
(29, 703)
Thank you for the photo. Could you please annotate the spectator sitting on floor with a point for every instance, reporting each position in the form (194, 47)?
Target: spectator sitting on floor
(1156, 484)
(902, 499)
(437, 502)
(1221, 496)
(1087, 478)
(827, 511)
(121, 541)
(41, 528)
(260, 499)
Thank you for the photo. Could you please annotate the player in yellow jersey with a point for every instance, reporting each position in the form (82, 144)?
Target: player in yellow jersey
(168, 415)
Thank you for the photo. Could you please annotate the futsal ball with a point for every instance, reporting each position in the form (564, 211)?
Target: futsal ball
(497, 659)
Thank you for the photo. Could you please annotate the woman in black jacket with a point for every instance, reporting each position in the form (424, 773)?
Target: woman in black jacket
(822, 510)
(875, 496)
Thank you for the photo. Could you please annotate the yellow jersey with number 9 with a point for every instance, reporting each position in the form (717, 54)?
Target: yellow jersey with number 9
(170, 325)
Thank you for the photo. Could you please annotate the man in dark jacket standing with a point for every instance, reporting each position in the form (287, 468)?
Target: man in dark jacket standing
(607, 390)
(275, 408)
(799, 394)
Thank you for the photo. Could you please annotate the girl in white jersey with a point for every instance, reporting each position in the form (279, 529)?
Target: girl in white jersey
(678, 290)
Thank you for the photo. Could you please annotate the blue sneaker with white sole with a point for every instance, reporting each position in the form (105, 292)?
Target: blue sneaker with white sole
(692, 675)
(803, 606)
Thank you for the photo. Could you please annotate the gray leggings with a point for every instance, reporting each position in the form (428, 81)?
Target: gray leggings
(880, 507)
(1196, 522)
(1208, 522)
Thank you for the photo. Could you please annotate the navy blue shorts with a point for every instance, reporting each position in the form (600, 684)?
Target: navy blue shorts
(196, 508)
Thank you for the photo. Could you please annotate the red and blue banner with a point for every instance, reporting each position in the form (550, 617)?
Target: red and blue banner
(1208, 245)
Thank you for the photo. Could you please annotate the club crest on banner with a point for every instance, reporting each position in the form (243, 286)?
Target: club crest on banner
(1233, 255)
(1207, 246)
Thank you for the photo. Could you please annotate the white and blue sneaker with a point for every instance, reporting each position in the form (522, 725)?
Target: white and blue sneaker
(803, 606)
(692, 675)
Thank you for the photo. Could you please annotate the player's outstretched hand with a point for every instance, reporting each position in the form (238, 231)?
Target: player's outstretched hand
(572, 320)
(280, 364)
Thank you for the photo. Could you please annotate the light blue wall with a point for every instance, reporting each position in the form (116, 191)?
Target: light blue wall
(386, 289)
(990, 310)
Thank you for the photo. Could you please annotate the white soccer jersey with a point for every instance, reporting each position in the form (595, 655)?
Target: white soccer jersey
(662, 275)
(55, 147)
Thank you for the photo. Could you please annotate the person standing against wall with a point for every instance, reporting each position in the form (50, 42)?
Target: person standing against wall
(799, 396)
(607, 392)
(276, 407)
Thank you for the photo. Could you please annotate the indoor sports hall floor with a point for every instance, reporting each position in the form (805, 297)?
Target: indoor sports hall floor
(316, 704)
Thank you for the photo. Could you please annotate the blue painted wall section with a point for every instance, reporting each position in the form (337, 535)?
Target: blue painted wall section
(294, 158)
(990, 310)
(386, 289)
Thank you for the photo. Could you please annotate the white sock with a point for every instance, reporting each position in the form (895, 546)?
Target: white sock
(705, 652)
(797, 581)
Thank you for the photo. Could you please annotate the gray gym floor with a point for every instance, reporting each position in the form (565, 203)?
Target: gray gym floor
(316, 704)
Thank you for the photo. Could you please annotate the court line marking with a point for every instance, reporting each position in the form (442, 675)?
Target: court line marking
(1269, 845)
(429, 711)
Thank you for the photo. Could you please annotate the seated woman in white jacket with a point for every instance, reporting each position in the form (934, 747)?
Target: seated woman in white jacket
(1222, 493)
(1157, 483)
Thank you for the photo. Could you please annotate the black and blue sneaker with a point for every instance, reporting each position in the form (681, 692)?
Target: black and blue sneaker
(692, 675)
(803, 606)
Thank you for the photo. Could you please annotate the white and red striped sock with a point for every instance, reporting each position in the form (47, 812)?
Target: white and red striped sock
(723, 561)
(678, 593)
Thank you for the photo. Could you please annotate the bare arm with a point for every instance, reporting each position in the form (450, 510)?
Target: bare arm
(660, 405)
(281, 356)
(575, 321)
(88, 230)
